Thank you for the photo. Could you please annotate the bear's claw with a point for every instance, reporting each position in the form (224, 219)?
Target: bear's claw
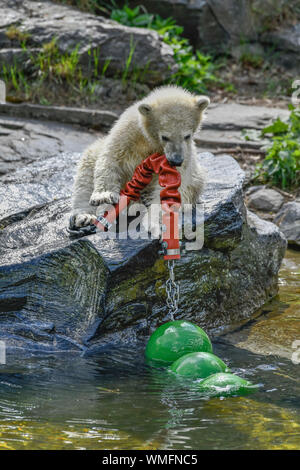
(80, 220)
(105, 197)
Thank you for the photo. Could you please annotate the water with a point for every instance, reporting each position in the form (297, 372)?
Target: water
(115, 401)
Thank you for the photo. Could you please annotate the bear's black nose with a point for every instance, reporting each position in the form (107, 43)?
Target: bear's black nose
(176, 159)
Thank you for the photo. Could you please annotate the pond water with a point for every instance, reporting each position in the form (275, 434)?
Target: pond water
(115, 401)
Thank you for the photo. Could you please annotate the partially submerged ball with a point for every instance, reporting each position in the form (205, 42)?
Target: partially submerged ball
(226, 385)
(198, 365)
(173, 340)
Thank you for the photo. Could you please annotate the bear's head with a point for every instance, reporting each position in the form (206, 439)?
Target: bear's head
(169, 117)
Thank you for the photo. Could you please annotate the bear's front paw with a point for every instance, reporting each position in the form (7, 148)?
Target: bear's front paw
(105, 197)
(80, 220)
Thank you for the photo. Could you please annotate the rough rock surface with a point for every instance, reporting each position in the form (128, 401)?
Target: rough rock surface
(287, 40)
(60, 293)
(222, 129)
(265, 199)
(44, 21)
(217, 24)
(208, 23)
(25, 141)
(288, 220)
(224, 125)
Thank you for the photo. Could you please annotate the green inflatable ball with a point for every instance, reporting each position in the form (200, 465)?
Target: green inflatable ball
(198, 365)
(226, 385)
(175, 339)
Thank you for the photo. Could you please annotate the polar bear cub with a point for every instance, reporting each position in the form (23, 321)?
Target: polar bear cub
(165, 122)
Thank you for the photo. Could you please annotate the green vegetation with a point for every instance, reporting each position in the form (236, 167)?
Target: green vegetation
(196, 71)
(51, 76)
(251, 60)
(51, 70)
(52, 64)
(14, 33)
(281, 166)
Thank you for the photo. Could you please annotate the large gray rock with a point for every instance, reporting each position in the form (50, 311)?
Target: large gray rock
(287, 39)
(265, 199)
(288, 220)
(75, 294)
(45, 21)
(235, 17)
(198, 18)
(217, 24)
(265, 13)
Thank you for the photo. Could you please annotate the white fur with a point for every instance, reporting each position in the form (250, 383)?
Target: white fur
(139, 132)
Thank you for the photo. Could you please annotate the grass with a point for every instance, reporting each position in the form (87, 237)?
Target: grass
(251, 60)
(52, 75)
(15, 34)
(50, 68)
(281, 166)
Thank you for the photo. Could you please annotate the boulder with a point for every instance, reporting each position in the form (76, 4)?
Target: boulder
(286, 40)
(265, 13)
(217, 24)
(235, 17)
(62, 293)
(265, 199)
(72, 29)
(197, 18)
(288, 220)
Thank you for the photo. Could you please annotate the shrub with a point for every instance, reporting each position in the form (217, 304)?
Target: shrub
(281, 166)
(195, 70)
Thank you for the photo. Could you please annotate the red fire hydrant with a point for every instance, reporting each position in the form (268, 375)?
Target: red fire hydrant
(169, 178)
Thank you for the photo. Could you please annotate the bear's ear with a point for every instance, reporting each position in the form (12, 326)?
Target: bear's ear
(145, 109)
(202, 102)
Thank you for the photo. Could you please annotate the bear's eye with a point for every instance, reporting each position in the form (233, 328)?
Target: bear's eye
(187, 137)
(165, 139)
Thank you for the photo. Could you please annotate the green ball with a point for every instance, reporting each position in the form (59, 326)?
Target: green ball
(175, 339)
(226, 385)
(198, 365)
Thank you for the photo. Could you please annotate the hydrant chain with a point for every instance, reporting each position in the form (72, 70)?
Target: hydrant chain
(172, 289)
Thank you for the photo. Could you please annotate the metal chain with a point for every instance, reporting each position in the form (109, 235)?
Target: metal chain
(172, 289)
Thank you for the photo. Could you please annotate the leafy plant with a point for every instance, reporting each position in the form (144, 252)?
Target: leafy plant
(281, 166)
(195, 70)
(277, 128)
(132, 17)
